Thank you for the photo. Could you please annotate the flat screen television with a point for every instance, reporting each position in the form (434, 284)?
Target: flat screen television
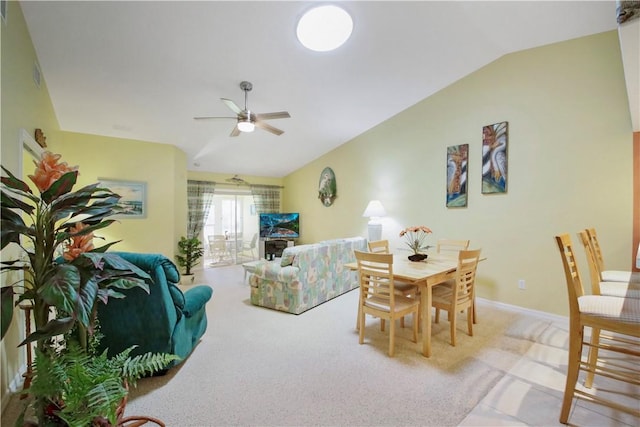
(280, 225)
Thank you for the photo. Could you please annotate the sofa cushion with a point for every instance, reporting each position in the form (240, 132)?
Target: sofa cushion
(289, 254)
(177, 296)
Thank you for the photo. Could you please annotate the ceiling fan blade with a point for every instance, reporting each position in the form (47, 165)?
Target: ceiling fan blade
(212, 117)
(268, 128)
(231, 105)
(270, 116)
(235, 131)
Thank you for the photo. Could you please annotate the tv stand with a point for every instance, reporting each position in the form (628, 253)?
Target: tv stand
(272, 248)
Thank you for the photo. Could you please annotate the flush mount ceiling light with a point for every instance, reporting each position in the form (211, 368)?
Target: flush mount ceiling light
(324, 28)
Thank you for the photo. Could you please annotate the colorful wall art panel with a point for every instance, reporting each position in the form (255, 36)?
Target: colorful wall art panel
(494, 158)
(457, 160)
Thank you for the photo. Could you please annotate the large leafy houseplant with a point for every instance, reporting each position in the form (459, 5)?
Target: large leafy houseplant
(65, 276)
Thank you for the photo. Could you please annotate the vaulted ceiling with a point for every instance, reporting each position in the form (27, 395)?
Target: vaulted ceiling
(142, 70)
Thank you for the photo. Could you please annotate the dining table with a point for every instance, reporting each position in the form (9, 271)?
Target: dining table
(426, 274)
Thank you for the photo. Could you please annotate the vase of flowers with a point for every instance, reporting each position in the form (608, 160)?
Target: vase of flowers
(64, 275)
(415, 238)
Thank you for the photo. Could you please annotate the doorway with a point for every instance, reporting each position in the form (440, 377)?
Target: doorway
(230, 233)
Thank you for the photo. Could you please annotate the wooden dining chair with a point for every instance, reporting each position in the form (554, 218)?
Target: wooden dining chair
(600, 287)
(461, 296)
(378, 297)
(620, 316)
(402, 288)
(451, 246)
(609, 275)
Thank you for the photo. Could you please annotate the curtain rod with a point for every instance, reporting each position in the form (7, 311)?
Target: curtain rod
(245, 185)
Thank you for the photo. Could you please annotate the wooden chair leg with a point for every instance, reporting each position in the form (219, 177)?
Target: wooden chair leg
(592, 358)
(361, 324)
(416, 320)
(437, 315)
(470, 312)
(575, 352)
(392, 335)
(382, 321)
(453, 317)
(475, 320)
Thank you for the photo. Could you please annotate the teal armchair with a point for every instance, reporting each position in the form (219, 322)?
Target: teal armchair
(166, 320)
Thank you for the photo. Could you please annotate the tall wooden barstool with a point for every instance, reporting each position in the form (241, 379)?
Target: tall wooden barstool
(620, 316)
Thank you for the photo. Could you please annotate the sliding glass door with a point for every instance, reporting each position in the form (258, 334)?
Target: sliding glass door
(230, 234)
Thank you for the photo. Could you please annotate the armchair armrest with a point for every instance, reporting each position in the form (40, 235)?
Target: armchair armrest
(195, 299)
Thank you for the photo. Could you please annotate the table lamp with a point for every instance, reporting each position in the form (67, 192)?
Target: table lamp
(374, 211)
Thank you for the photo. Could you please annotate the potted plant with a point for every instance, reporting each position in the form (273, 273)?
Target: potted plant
(80, 388)
(190, 251)
(65, 276)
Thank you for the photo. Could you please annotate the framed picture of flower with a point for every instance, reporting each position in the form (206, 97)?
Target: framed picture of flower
(457, 161)
(133, 197)
(494, 158)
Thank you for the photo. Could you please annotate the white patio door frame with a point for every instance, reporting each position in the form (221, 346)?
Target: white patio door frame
(232, 215)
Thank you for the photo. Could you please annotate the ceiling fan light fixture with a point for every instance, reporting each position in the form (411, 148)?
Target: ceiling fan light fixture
(246, 126)
(324, 28)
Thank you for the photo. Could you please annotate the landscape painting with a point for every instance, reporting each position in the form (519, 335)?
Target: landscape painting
(494, 158)
(457, 160)
(132, 203)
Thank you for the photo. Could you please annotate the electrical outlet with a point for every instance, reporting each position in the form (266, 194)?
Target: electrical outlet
(521, 284)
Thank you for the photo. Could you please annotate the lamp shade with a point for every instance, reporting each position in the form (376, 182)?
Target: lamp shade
(374, 209)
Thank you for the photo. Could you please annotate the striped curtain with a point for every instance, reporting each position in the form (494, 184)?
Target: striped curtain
(199, 199)
(266, 198)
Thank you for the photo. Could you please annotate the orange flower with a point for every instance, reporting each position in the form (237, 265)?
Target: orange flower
(48, 170)
(415, 237)
(79, 244)
(415, 229)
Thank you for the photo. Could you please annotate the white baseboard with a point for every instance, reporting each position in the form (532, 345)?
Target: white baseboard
(543, 314)
(14, 386)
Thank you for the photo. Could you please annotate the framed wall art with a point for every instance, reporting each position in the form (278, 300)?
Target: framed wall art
(457, 161)
(133, 197)
(327, 187)
(495, 139)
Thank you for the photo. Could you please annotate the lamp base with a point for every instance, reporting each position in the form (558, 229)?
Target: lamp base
(375, 231)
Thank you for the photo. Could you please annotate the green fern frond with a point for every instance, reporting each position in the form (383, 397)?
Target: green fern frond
(89, 385)
(146, 364)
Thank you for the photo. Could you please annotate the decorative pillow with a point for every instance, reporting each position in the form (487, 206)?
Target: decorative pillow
(290, 253)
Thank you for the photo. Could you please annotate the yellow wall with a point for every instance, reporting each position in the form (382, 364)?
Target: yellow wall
(570, 146)
(23, 106)
(161, 166)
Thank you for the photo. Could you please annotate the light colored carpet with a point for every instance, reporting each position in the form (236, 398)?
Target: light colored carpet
(260, 367)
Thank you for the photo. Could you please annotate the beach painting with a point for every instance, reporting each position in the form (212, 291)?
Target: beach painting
(132, 203)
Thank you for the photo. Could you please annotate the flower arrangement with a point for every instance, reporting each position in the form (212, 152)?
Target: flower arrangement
(415, 238)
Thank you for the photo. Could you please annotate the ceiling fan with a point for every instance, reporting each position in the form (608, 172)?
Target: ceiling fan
(247, 119)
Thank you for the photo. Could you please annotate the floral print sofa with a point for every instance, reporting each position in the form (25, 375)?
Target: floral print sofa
(306, 275)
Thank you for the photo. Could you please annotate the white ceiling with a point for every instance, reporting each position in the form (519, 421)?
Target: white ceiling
(142, 70)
